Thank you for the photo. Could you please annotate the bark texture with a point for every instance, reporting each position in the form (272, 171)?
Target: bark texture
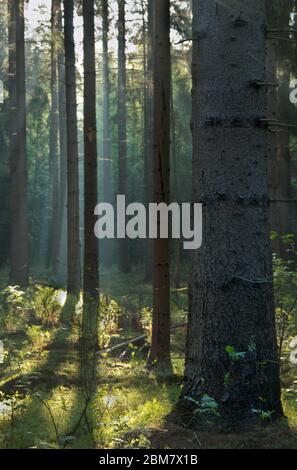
(231, 294)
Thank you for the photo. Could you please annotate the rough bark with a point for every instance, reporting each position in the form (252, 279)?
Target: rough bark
(19, 243)
(73, 245)
(160, 348)
(231, 294)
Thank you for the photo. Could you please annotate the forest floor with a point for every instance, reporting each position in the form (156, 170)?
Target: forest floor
(42, 404)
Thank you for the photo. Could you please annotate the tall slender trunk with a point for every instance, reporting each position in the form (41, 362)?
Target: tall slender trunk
(90, 277)
(282, 170)
(148, 124)
(160, 348)
(174, 185)
(60, 265)
(231, 351)
(73, 245)
(106, 121)
(124, 259)
(279, 177)
(19, 240)
(53, 143)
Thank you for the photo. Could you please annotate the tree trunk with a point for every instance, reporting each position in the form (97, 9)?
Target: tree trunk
(53, 143)
(124, 259)
(73, 245)
(106, 122)
(279, 69)
(149, 122)
(19, 241)
(231, 294)
(174, 186)
(282, 169)
(60, 266)
(160, 348)
(90, 278)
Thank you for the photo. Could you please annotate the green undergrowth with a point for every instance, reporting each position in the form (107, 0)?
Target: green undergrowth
(43, 406)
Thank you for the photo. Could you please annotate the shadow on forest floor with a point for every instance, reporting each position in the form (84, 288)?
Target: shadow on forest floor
(280, 434)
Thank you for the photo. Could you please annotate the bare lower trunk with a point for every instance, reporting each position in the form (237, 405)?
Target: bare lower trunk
(231, 347)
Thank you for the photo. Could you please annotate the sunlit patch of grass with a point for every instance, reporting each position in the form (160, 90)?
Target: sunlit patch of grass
(130, 411)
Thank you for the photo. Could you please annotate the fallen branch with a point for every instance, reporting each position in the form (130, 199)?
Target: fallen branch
(136, 340)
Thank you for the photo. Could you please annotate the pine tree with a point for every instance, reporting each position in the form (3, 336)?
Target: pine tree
(160, 348)
(73, 246)
(231, 347)
(19, 242)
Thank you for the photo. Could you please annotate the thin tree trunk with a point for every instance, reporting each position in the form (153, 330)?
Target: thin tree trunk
(106, 121)
(278, 107)
(124, 258)
(91, 263)
(19, 241)
(73, 245)
(231, 295)
(175, 187)
(160, 348)
(60, 266)
(53, 143)
(149, 122)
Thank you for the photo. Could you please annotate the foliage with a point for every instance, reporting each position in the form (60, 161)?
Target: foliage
(109, 316)
(285, 288)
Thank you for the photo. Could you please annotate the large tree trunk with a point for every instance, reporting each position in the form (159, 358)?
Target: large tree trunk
(160, 348)
(106, 122)
(19, 243)
(124, 259)
(231, 294)
(90, 277)
(73, 248)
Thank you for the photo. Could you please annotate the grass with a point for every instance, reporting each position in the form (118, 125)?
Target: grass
(42, 405)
